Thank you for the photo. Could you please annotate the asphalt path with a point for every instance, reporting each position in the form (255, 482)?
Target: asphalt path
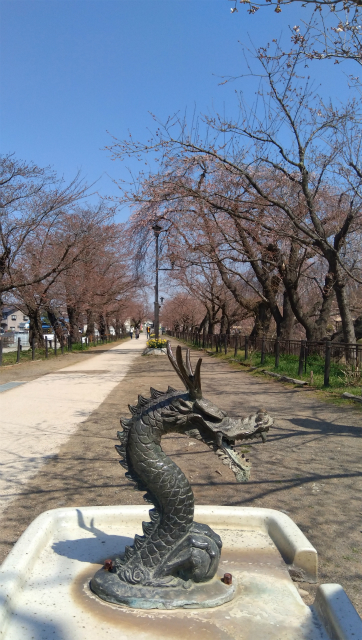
(38, 416)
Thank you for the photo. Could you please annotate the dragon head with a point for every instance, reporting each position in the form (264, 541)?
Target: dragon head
(205, 417)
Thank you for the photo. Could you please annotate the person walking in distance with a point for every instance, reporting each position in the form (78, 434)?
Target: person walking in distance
(137, 333)
(131, 332)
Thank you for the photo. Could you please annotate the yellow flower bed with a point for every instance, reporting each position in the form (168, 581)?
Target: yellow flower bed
(152, 343)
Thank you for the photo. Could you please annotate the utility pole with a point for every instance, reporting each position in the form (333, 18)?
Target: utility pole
(156, 230)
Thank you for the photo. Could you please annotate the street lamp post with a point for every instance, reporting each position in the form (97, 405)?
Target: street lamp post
(157, 230)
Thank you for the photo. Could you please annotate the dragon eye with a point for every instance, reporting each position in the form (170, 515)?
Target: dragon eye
(210, 411)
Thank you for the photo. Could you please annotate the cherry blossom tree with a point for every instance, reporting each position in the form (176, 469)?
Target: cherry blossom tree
(288, 177)
(31, 199)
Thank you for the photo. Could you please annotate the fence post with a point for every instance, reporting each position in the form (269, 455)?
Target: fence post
(62, 344)
(81, 341)
(246, 347)
(301, 358)
(46, 347)
(1, 352)
(226, 344)
(277, 349)
(55, 343)
(262, 359)
(33, 349)
(327, 364)
(18, 351)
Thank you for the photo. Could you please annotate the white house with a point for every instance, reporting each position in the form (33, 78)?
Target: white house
(14, 320)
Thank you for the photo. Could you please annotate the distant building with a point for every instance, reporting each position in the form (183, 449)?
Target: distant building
(14, 320)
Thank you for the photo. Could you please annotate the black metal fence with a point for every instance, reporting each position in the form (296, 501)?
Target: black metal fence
(329, 352)
(54, 347)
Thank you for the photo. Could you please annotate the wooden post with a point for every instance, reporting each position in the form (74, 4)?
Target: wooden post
(246, 347)
(46, 347)
(262, 359)
(301, 358)
(226, 344)
(33, 349)
(55, 344)
(327, 364)
(236, 345)
(277, 349)
(1, 352)
(62, 344)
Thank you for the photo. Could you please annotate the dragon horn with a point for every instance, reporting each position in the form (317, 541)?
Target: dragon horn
(188, 363)
(191, 381)
(172, 359)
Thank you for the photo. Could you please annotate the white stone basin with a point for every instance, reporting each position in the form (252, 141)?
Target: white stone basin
(45, 595)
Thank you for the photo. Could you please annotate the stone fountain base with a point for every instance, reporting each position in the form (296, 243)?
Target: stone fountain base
(45, 582)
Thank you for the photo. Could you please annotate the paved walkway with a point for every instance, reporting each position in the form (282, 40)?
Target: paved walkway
(37, 417)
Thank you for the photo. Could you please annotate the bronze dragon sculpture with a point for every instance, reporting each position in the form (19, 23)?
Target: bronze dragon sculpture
(174, 550)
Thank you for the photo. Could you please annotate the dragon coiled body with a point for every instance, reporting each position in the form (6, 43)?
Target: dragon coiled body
(174, 549)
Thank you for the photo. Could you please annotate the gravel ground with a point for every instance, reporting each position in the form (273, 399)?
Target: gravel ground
(310, 467)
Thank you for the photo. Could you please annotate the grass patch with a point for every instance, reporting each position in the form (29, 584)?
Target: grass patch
(40, 354)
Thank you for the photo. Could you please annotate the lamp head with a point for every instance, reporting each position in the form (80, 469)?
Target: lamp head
(156, 229)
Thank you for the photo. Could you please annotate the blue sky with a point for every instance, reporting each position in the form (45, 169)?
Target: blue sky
(71, 70)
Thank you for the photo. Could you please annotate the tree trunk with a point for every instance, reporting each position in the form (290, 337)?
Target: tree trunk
(90, 323)
(73, 317)
(102, 326)
(203, 325)
(262, 320)
(57, 327)
(315, 330)
(118, 327)
(35, 328)
(223, 322)
(285, 327)
(349, 335)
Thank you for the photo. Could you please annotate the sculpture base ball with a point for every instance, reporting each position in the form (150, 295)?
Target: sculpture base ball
(200, 595)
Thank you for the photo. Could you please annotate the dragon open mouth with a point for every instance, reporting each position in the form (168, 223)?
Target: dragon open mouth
(204, 420)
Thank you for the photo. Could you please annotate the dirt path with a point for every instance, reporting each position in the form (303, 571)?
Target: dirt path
(310, 466)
